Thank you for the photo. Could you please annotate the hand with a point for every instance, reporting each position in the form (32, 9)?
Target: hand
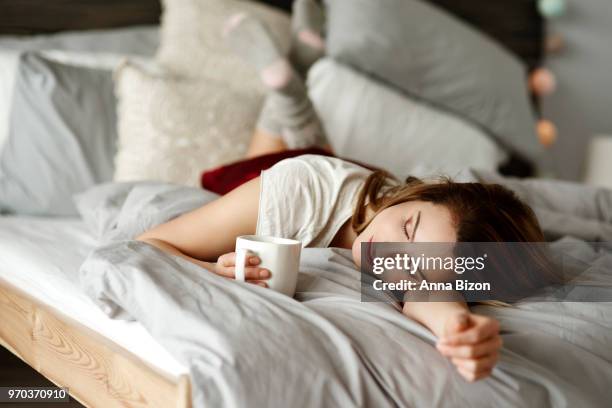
(226, 266)
(472, 342)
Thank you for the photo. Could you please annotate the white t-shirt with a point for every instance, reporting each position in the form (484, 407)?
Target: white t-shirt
(308, 198)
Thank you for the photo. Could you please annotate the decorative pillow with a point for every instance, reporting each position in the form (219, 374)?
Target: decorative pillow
(61, 136)
(192, 43)
(202, 114)
(378, 125)
(171, 128)
(429, 54)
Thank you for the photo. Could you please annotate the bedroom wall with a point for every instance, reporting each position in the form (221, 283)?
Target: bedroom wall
(35, 16)
(582, 104)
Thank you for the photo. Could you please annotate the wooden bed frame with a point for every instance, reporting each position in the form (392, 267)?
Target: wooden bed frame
(99, 372)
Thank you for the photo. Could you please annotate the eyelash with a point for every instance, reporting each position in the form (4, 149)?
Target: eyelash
(405, 231)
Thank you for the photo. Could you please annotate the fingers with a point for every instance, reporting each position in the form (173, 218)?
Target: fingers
(476, 365)
(475, 369)
(259, 283)
(250, 272)
(472, 376)
(230, 260)
(474, 349)
(482, 330)
(226, 267)
(476, 361)
(490, 346)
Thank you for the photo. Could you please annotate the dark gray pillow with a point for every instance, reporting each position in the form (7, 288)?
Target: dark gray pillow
(431, 55)
(61, 138)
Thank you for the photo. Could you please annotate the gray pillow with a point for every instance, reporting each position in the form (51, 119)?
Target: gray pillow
(407, 133)
(141, 40)
(61, 137)
(431, 55)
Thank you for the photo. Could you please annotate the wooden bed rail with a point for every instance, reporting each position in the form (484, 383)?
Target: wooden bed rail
(97, 371)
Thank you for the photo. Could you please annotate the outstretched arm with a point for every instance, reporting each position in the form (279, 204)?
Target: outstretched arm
(471, 341)
(203, 235)
(433, 315)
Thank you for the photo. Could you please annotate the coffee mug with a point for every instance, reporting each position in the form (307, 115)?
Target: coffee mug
(279, 255)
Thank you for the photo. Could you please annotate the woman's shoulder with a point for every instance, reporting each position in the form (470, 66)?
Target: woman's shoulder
(308, 197)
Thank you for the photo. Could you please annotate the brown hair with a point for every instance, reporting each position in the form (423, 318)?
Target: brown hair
(480, 212)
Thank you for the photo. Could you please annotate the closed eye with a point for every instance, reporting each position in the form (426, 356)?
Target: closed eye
(414, 230)
(405, 228)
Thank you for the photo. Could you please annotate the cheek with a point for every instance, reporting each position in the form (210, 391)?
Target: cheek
(388, 229)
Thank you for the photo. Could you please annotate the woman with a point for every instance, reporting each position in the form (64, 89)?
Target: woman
(327, 202)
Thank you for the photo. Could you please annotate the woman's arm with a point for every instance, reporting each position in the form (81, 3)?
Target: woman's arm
(471, 341)
(434, 315)
(202, 235)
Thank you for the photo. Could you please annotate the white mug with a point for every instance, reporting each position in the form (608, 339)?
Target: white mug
(279, 255)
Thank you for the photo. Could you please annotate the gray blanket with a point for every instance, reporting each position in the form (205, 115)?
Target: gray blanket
(248, 346)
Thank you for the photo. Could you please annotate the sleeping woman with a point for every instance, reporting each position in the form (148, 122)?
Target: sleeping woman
(327, 202)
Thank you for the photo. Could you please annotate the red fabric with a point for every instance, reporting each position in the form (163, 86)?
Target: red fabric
(224, 179)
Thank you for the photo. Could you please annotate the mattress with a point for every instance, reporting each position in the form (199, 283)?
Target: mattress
(42, 256)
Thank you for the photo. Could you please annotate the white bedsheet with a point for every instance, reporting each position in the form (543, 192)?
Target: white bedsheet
(42, 256)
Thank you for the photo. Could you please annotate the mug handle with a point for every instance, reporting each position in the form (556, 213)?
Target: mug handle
(241, 256)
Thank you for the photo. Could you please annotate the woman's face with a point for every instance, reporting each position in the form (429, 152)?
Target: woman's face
(413, 221)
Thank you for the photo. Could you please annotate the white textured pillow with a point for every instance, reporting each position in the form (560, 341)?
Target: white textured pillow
(370, 122)
(171, 128)
(192, 41)
(203, 112)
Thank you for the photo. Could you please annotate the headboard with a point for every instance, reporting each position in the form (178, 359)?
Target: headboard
(516, 24)
(47, 16)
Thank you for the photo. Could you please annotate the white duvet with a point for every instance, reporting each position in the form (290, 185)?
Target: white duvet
(42, 256)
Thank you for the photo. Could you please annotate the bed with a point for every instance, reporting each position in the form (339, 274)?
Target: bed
(50, 324)
(331, 345)
(46, 318)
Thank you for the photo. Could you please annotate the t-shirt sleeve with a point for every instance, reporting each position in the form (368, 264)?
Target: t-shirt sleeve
(308, 198)
(286, 202)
